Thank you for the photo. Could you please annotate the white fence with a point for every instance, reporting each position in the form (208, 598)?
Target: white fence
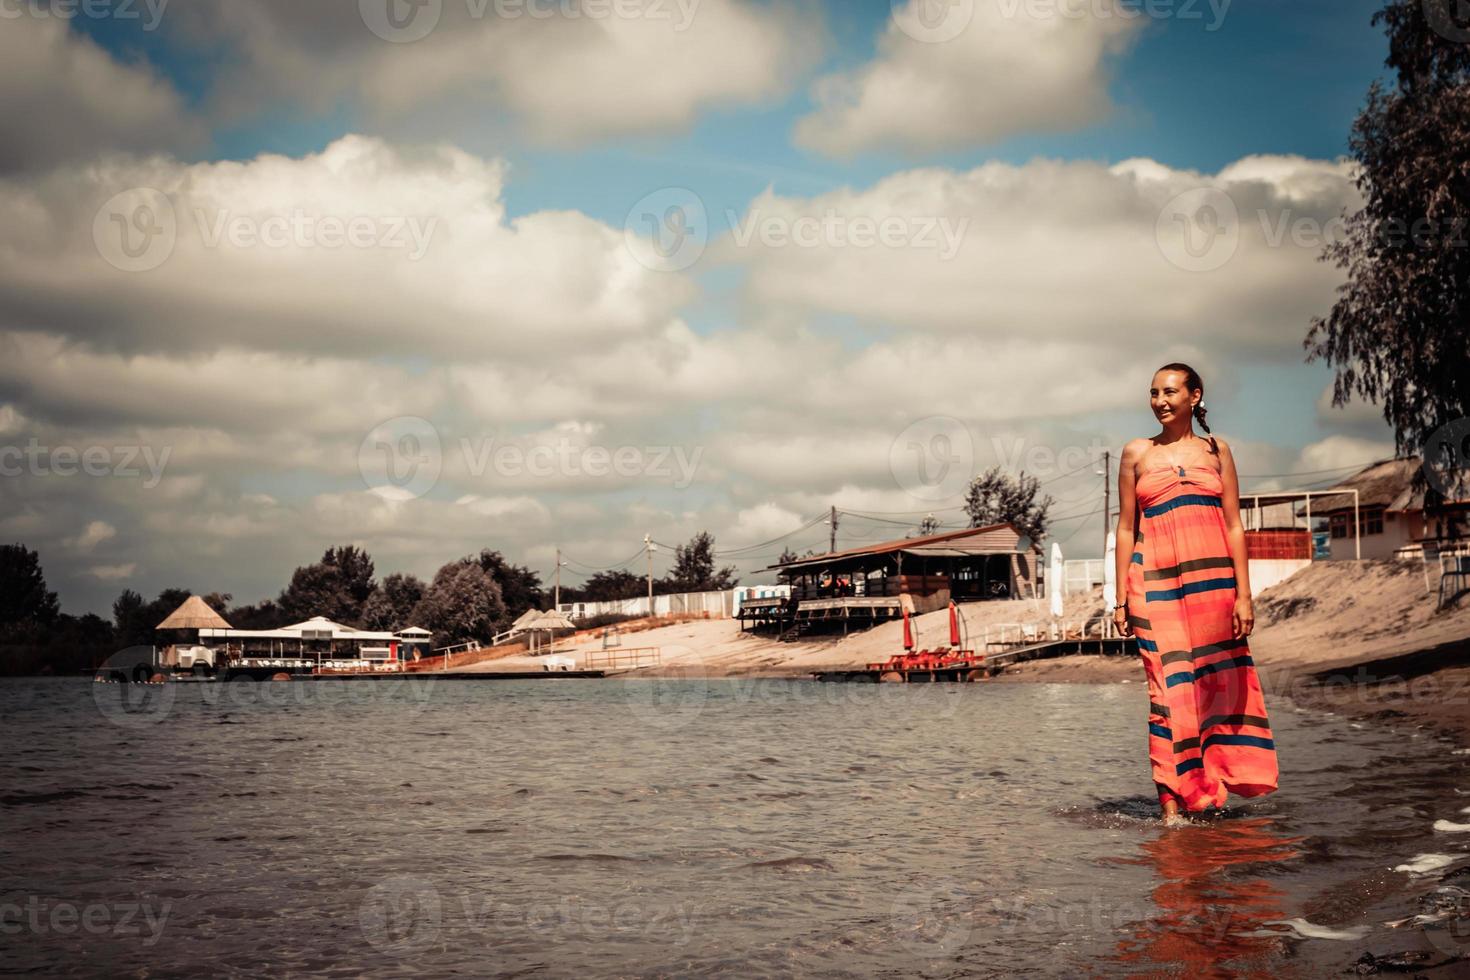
(715, 605)
(1081, 575)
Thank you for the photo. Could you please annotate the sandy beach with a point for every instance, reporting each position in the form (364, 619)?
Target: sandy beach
(1361, 638)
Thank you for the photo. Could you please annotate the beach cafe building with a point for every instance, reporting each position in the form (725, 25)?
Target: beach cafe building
(864, 586)
(318, 644)
(1377, 513)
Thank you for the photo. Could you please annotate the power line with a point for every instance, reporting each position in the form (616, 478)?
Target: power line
(1270, 476)
(762, 544)
(604, 568)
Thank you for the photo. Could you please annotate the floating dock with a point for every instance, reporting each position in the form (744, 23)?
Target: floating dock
(263, 674)
(268, 673)
(990, 665)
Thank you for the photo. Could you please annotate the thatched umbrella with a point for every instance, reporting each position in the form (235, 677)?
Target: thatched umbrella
(194, 614)
(548, 622)
(189, 619)
(525, 619)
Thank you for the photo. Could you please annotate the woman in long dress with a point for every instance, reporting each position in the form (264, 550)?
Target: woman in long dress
(1184, 591)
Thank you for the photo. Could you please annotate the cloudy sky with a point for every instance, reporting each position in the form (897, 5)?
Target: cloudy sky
(451, 274)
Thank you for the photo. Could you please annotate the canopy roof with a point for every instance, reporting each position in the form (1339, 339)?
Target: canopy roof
(316, 628)
(995, 539)
(194, 614)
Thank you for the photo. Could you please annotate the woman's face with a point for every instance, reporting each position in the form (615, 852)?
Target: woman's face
(1169, 397)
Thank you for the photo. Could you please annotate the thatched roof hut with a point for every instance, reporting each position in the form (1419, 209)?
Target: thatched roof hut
(552, 620)
(526, 618)
(192, 615)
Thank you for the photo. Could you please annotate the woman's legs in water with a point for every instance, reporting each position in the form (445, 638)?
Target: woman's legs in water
(1170, 804)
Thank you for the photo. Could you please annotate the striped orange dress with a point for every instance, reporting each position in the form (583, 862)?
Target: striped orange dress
(1207, 724)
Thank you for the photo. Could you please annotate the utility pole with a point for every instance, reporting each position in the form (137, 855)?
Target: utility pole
(556, 604)
(1107, 499)
(648, 547)
(832, 543)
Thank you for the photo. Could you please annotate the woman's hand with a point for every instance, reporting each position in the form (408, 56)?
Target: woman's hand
(1120, 620)
(1242, 618)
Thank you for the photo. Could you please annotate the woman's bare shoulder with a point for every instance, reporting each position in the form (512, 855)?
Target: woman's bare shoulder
(1135, 448)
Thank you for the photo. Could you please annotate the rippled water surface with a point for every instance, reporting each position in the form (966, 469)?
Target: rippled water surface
(642, 827)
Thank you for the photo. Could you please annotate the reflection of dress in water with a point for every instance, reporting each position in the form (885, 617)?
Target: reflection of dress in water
(1208, 731)
(1214, 900)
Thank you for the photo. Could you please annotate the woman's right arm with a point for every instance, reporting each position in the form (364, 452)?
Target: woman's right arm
(1127, 504)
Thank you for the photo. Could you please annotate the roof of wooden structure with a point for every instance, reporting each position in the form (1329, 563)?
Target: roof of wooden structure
(995, 539)
(193, 614)
(1387, 483)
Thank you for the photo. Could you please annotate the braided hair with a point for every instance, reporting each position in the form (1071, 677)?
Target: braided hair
(1193, 383)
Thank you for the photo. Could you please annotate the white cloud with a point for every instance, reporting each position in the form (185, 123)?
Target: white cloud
(564, 79)
(1009, 71)
(1341, 452)
(91, 536)
(229, 389)
(64, 98)
(112, 573)
(261, 255)
(1063, 252)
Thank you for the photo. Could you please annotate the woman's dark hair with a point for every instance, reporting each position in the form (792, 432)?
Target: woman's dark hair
(1193, 383)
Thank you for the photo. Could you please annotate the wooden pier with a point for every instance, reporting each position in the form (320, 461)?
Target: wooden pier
(266, 673)
(991, 664)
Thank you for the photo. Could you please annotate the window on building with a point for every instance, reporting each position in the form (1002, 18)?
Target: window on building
(1370, 521)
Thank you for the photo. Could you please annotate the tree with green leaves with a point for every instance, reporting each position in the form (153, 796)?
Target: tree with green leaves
(392, 603)
(520, 587)
(356, 569)
(996, 497)
(607, 586)
(462, 603)
(335, 587)
(26, 605)
(1399, 332)
(694, 568)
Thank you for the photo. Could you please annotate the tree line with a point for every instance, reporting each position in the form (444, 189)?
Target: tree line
(469, 598)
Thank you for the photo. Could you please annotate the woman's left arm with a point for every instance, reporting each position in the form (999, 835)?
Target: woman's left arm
(1243, 618)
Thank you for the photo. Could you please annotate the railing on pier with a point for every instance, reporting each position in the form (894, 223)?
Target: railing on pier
(622, 657)
(1017, 634)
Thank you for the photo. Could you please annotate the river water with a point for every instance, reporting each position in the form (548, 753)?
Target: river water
(688, 827)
